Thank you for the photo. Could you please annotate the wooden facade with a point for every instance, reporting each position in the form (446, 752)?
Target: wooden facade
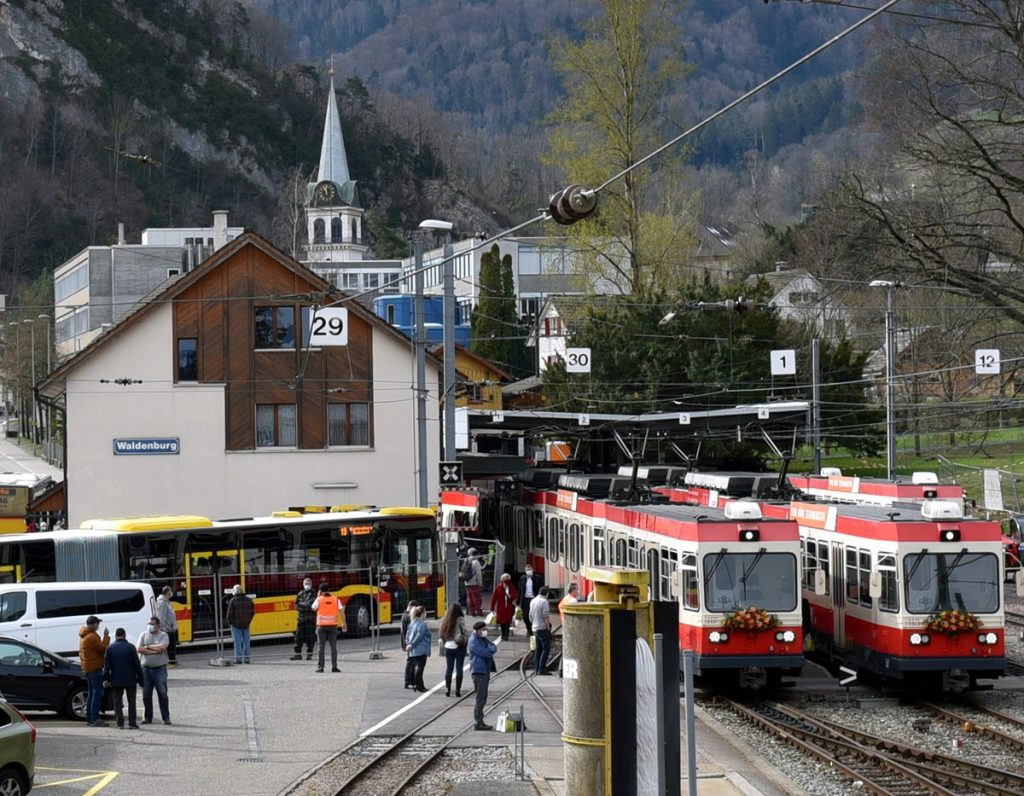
(219, 310)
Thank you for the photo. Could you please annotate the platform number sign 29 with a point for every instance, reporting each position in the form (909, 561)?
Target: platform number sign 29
(577, 360)
(783, 362)
(328, 326)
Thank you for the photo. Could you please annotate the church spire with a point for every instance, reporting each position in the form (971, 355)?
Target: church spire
(333, 164)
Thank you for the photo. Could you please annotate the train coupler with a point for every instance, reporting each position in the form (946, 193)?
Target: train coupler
(754, 677)
(956, 681)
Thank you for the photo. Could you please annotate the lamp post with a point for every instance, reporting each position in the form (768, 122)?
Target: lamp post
(890, 385)
(44, 317)
(32, 369)
(45, 415)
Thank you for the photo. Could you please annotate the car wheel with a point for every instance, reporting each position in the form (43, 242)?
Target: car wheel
(12, 783)
(77, 704)
(357, 617)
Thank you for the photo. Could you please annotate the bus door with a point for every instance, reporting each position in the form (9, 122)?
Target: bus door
(211, 573)
(410, 558)
(838, 596)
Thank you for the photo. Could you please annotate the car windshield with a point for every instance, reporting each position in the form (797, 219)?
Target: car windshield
(741, 580)
(943, 581)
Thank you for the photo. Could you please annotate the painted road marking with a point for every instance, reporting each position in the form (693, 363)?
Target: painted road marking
(104, 778)
(411, 705)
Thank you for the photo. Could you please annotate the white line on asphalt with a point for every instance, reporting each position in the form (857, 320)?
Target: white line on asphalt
(411, 705)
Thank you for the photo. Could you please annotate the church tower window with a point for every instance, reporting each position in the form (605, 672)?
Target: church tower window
(335, 230)
(318, 230)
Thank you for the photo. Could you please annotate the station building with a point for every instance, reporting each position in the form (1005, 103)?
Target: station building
(205, 399)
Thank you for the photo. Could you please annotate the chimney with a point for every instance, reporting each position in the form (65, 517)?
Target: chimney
(120, 234)
(220, 228)
(780, 266)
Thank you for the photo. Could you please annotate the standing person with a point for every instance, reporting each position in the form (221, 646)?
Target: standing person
(240, 613)
(503, 603)
(91, 649)
(122, 672)
(572, 595)
(43, 525)
(152, 647)
(305, 621)
(169, 622)
(474, 580)
(406, 620)
(328, 609)
(481, 664)
(540, 618)
(529, 587)
(455, 637)
(417, 645)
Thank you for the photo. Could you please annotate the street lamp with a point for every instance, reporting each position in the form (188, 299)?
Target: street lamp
(32, 364)
(46, 415)
(890, 379)
(448, 266)
(44, 317)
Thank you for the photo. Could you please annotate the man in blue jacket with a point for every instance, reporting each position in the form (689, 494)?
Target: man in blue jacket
(122, 671)
(481, 664)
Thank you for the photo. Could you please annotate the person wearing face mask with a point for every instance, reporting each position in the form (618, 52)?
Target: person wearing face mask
(529, 587)
(152, 647)
(481, 664)
(305, 626)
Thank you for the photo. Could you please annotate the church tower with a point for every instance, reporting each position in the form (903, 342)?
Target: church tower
(334, 218)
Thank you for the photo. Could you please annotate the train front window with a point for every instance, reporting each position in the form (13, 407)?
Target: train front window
(741, 580)
(952, 581)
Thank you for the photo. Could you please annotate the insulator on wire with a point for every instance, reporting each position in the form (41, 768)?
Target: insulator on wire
(572, 204)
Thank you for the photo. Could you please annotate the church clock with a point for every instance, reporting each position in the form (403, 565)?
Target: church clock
(326, 192)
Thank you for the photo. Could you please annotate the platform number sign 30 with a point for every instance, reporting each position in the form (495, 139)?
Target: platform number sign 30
(783, 362)
(328, 326)
(577, 360)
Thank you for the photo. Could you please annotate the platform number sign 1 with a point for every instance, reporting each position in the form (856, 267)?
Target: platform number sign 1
(328, 326)
(783, 362)
(986, 360)
(577, 360)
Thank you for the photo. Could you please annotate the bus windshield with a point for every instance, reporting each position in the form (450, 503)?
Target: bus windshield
(946, 581)
(755, 579)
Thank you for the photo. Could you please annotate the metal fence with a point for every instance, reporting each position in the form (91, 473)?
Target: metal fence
(988, 489)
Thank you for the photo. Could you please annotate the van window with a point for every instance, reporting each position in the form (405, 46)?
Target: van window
(13, 605)
(119, 601)
(66, 602)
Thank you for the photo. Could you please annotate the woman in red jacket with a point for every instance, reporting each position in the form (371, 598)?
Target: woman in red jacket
(503, 603)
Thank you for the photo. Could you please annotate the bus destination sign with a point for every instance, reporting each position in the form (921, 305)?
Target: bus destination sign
(147, 446)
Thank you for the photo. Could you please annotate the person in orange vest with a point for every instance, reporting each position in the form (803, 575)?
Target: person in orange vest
(328, 611)
(571, 596)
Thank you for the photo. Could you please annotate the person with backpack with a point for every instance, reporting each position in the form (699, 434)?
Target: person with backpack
(473, 573)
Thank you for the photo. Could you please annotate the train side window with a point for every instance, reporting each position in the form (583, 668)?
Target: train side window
(890, 598)
(669, 565)
(575, 543)
(654, 572)
(852, 577)
(619, 559)
(632, 557)
(808, 556)
(524, 532)
(690, 596)
(562, 546)
(553, 539)
(599, 558)
(538, 529)
(823, 565)
(865, 577)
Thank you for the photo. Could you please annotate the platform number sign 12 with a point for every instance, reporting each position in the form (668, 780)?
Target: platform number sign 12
(577, 360)
(783, 362)
(328, 326)
(986, 360)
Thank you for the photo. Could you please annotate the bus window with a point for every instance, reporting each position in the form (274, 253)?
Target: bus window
(322, 550)
(145, 557)
(265, 556)
(38, 562)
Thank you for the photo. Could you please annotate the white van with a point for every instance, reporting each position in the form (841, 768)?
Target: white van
(51, 614)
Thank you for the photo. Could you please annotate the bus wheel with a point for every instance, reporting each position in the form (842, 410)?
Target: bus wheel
(357, 617)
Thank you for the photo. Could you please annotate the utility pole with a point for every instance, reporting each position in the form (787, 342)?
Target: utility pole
(419, 347)
(816, 402)
(890, 375)
(449, 349)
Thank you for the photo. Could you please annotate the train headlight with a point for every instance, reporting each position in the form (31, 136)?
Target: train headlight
(987, 638)
(919, 638)
(787, 636)
(718, 637)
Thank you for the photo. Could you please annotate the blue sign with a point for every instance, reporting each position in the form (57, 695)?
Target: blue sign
(147, 446)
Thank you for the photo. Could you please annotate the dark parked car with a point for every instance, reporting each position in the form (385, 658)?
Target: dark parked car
(32, 678)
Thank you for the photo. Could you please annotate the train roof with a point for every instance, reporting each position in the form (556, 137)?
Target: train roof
(931, 520)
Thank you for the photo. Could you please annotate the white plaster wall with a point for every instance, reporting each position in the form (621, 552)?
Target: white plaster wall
(203, 478)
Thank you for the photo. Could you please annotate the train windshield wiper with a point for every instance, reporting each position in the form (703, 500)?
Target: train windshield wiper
(748, 570)
(920, 560)
(947, 571)
(714, 566)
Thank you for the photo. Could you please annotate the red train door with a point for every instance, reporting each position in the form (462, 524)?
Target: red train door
(838, 596)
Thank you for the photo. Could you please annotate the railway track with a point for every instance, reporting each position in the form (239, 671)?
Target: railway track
(880, 765)
(380, 764)
(1006, 739)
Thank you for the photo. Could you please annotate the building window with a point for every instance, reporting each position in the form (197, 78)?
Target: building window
(275, 426)
(173, 272)
(274, 327)
(475, 392)
(373, 280)
(72, 324)
(318, 231)
(348, 424)
(336, 230)
(71, 282)
(355, 238)
(188, 365)
(351, 281)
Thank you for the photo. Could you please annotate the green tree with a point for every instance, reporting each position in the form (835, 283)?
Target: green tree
(616, 78)
(495, 325)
